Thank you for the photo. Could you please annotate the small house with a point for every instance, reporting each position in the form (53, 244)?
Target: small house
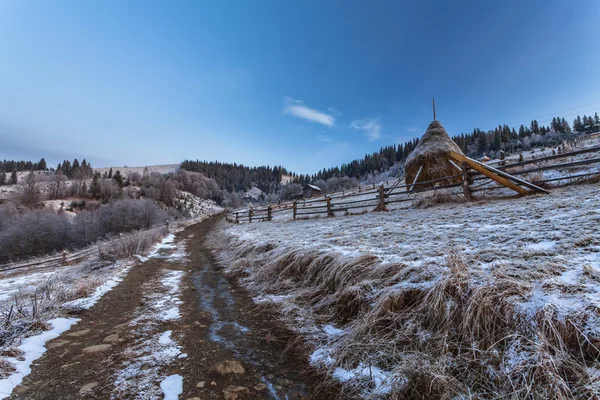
(309, 191)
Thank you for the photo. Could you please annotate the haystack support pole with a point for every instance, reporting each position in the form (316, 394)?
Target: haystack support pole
(493, 176)
(416, 177)
(502, 178)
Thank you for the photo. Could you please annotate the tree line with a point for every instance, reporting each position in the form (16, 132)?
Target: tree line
(474, 144)
(238, 177)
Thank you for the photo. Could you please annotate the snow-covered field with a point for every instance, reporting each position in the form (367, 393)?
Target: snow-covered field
(516, 281)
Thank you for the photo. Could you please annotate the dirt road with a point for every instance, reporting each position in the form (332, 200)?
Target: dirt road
(174, 317)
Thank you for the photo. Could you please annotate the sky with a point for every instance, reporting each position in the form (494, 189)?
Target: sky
(307, 85)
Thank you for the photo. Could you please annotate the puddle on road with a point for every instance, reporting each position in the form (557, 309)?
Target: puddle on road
(216, 298)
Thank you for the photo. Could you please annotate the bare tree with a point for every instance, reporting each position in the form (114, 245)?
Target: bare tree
(30, 194)
(57, 185)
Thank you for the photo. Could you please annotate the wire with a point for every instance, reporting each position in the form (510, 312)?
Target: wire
(558, 112)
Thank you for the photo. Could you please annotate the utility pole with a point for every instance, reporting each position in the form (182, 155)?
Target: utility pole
(433, 104)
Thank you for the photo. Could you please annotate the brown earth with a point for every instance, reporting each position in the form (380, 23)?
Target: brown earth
(219, 323)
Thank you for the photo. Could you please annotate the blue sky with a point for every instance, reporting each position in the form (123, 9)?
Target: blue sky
(306, 84)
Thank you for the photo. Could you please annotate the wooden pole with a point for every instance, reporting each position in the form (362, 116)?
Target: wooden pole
(433, 104)
(467, 180)
(329, 212)
(237, 219)
(269, 217)
(250, 215)
(294, 207)
(416, 177)
(381, 206)
(490, 174)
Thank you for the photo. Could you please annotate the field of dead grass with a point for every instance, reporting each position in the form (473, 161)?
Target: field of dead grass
(494, 299)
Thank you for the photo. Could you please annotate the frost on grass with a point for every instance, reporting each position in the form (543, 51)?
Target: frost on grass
(86, 303)
(484, 299)
(31, 349)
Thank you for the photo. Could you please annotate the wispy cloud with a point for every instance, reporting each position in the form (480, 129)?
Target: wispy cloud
(334, 111)
(296, 108)
(412, 130)
(323, 138)
(371, 127)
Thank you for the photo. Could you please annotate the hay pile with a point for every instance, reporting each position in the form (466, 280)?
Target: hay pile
(432, 153)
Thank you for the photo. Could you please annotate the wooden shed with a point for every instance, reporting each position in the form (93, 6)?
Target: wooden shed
(309, 191)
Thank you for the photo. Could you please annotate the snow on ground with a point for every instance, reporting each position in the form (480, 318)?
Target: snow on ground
(32, 348)
(172, 387)
(538, 229)
(68, 282)
(550, 242)
(154, 348)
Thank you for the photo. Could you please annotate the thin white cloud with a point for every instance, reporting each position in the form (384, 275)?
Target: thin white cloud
(371, 127)
(296, 108)
(334, 111)
(412, 130)
(324, 139)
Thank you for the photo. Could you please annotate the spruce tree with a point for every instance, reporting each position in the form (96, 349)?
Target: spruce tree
(118, 178)
(110, 174)
(13, 177)
(95, 186)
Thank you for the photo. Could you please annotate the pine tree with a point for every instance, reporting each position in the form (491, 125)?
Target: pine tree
(110, 174)
(118, 178)
(42, 164)
(95, 186)
(2, 178)
(596, 118)
(13, 177)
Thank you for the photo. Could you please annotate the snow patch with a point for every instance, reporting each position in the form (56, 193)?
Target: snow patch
(172, 387)
(33, 348)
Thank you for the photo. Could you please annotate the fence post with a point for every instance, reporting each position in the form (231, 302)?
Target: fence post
(466, 181)
(381, 206)
(269, 213)
(237, 219)
(250, 215)
(64, 257)
(329, 212)
(294, 208)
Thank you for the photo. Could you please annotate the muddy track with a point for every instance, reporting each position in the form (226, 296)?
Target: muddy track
(218, 322)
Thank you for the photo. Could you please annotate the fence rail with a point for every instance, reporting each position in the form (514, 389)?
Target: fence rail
(378, 198)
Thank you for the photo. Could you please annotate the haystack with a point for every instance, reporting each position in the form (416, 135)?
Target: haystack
(432, 156)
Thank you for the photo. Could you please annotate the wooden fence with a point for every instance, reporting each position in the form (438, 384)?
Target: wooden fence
(378, 198)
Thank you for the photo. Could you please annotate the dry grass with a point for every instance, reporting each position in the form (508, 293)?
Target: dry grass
(430, 199)
(441, 333)
(27, 313)
(126, 246)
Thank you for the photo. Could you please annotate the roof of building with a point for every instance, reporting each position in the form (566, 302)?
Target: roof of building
(308, 185)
